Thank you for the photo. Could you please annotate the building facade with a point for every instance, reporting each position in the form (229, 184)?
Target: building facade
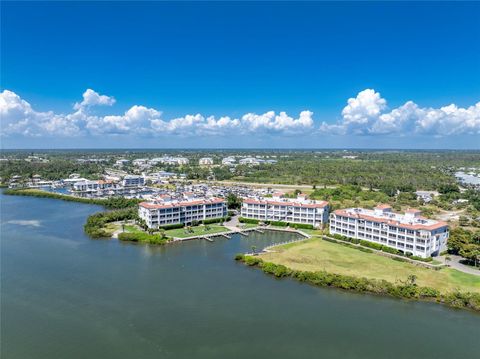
(409, 232)
(133, 181)
(162, 213)
(299, 210)
(91, 186)
(205, 161)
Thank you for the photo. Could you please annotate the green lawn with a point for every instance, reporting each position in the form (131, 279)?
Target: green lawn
(312, 232)
(316, 255)
(112, 227)
(132, 228)
(248, 225)
(197, 231)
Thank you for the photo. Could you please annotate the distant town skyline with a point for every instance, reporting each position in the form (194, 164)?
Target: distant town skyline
(240, 75)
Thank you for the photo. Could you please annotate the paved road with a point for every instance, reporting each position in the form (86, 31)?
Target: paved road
(454, 262)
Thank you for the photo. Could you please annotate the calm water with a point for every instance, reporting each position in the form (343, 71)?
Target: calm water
(66, 296)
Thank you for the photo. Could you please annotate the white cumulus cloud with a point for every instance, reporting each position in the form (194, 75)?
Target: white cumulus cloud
(92, 98)
(367, 114)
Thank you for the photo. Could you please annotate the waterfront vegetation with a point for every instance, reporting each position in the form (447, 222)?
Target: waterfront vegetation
(109, 203)
(319, 255)
(98, 224)
(142, 237)
(407, 289)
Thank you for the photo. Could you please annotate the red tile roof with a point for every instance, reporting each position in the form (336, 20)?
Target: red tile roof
(383, 206)
(413, 210)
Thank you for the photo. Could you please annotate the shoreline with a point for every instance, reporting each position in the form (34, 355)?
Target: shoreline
(458, 300)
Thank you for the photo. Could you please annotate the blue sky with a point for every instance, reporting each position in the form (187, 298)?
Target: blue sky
(221, 74)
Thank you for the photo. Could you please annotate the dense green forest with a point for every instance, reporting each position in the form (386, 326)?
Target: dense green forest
(386, 170)
(402, 174)
(55, 169)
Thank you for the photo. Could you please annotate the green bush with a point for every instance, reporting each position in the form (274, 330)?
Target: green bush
(251, 261)
(279, 223)
(143, 237)
(302, 226)
(372, 245)
(239, 257)
(172, 226)
(390, 250)
(248, 220)
(428, 259)
(216, 220)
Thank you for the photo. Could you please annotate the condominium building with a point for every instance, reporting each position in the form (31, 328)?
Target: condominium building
(205, 161)
(165, 212)
(90, 186)
(133, 181)
(229, 161)
(168, 160)
(409, 232)
(277, 208)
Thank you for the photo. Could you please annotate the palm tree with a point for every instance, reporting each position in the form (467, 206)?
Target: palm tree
(254, 248)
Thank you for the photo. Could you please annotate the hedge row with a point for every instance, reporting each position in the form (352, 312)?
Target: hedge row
(248, 220)
(301, 226)
(407, 289)
(216, 220)
(277, 223)
(172, 226)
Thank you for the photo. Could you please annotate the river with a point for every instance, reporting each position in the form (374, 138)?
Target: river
(64, 295)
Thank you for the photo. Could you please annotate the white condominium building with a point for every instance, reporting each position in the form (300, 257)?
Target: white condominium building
(409, 232)
(167, 160)
(205, 161)
(161, 213)
(133, 181)
(90, 186)
(299, 210)
(229, 161)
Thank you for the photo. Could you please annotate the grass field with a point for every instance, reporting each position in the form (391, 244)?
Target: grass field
(316, 255)
(248, 225)
(112, 227)
(196, 231)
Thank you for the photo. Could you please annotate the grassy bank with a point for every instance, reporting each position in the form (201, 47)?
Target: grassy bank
(316, 254)
(98, 225)
(408, 289)
(195, 231)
